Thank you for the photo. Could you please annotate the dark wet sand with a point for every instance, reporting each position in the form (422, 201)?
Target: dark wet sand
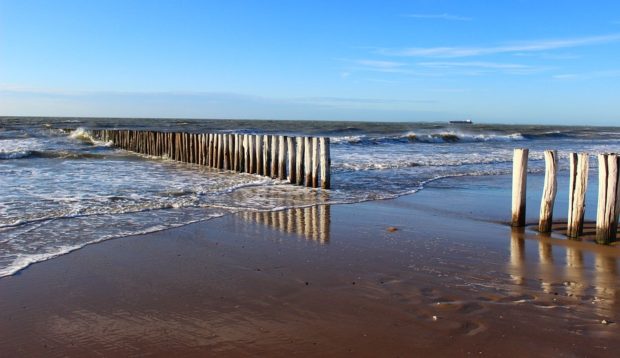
(325, 281)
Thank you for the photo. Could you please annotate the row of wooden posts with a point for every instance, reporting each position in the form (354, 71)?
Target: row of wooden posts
(300, 160)
(608, 208)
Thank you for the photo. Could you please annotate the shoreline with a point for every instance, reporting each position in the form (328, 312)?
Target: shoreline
(445, 282)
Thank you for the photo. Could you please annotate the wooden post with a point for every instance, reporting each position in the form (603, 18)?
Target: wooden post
(608, 205)
(519, 184)
(315, 162)
(252, 154)
(308, 161)
(226, 152)
(291, 160)
(282, 157)
(325, 163)
(579, 164)
(300, 161)
(205, 149)
(549, 191)
(210, 149)
(266, 155)
(246, 153)
(260, 169)
(236, 155)
(274, 156)
(192, 148)
(221, 141)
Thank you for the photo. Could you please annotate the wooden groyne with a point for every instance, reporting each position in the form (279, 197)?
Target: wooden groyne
(608, 208)
(299, 160)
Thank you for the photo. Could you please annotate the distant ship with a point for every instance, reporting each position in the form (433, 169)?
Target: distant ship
(467, 121)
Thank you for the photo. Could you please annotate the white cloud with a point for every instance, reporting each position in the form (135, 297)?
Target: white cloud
(588, 75)
(476, 64)
(444, 16)
(519, 47)
(379, 64)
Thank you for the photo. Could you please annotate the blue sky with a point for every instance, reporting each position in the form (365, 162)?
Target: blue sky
(492, 61)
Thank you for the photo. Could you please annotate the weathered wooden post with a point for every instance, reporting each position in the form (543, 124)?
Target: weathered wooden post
(579, 165)
(325, 163)
(226, 150)
(315, 162)
(608, 205)
(265, 154)
(274, 156)
(260, 169)
(252, 154)
(291, 160)
(300, 161)
(308, 161)
(281, 157)
(519, 184)
(246, 153)
(236, 155)
(549, 191)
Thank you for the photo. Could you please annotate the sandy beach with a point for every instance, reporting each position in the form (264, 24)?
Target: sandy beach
(434, 273)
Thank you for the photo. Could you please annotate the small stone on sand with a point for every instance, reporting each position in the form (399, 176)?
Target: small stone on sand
(392, 229)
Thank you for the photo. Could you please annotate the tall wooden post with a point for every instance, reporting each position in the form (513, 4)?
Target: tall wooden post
(325, 163)
(608, 204)
(266, 155)
(300, 161)
(281, 157)
(308, 162)
(315, 162)
(274, 156)
(260, 169)
(549, 191)
(519, 184)
(291, 159)
(579, 165)
(252, 154)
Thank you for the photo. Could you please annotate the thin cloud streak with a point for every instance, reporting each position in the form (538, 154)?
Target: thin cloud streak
(533, 46)
(443, 16)
(588, 75)
(476, 64)
(379, 64)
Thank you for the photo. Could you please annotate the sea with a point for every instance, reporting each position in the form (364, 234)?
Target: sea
(61, 190)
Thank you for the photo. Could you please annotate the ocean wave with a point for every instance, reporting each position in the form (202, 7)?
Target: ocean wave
(51, 154)
(432, 137)
(15, 154)
(86, 136)
(348, 139)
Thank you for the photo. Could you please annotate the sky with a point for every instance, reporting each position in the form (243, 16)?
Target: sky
(520, 61)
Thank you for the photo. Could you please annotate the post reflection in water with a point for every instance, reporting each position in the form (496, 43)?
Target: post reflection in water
(545, 257)
(605, 280)
(517, 256)
(586, 273)
(575, 278)
(312, 223)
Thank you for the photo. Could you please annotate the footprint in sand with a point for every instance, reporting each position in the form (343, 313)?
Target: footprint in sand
(470, 328)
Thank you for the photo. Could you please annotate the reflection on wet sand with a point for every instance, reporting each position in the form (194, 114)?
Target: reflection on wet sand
(545, 257)
(575, 272)
(585, 274)
(312, 223)
(517, 256)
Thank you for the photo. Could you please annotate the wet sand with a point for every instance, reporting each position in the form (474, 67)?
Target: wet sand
(449, 280)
